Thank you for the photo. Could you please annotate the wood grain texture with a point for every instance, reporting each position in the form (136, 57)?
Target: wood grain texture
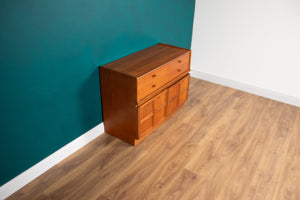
(144, 61)
(158, 77)
(128, 83)
(118, 97)
(177, 95)
(151, 114)
(223, 144)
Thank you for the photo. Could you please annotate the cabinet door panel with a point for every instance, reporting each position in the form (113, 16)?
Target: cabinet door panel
(157, 109)
(184, 84)
(183, 97)
(173, 91)
(145, 126)
(145, 110)
(172, 106)
(159, 115)
(160, 100)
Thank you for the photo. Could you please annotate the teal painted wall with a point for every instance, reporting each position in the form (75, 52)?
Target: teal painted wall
(49, 54)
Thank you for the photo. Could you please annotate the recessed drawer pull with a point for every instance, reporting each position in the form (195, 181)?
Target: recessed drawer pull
(153, 86)
(179, 70)
(179, 61)
(153, 75)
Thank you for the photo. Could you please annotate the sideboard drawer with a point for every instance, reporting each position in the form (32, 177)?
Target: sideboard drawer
(162, 75)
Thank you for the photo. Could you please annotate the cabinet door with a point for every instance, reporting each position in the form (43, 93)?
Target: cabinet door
(151, 114)
(160, 102)
(172, 106)
(154, 112)
(177, 95)
(159, 116)
(146, 126)
(145, 119)
(173, 91)
(184, 83)
(183, 91)
(182, 97)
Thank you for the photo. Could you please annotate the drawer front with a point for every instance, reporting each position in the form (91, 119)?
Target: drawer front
(162, 75)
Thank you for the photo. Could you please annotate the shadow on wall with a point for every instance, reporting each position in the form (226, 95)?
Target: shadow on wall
(90, 101)
(90, 94)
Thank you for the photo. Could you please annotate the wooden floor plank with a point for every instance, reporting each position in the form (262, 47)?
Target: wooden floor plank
(222, 144)
(137, 179)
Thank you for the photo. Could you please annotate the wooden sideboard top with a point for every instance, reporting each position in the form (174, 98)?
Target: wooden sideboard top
(146, 60)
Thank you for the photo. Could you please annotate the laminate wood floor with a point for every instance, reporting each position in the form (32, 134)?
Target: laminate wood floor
(223, 144)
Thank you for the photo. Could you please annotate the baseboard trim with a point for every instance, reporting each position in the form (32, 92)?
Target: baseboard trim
(30, 174)
(247, 88)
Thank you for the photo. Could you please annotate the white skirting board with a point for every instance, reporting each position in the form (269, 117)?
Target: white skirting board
(30, 174)
(247, 88)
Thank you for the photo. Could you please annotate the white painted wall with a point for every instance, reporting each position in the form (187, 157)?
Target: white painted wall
(254, 42)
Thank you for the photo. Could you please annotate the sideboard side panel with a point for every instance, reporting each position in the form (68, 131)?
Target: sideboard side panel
(118, 95)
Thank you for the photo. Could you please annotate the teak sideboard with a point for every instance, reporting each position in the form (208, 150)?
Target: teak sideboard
(142, 90)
